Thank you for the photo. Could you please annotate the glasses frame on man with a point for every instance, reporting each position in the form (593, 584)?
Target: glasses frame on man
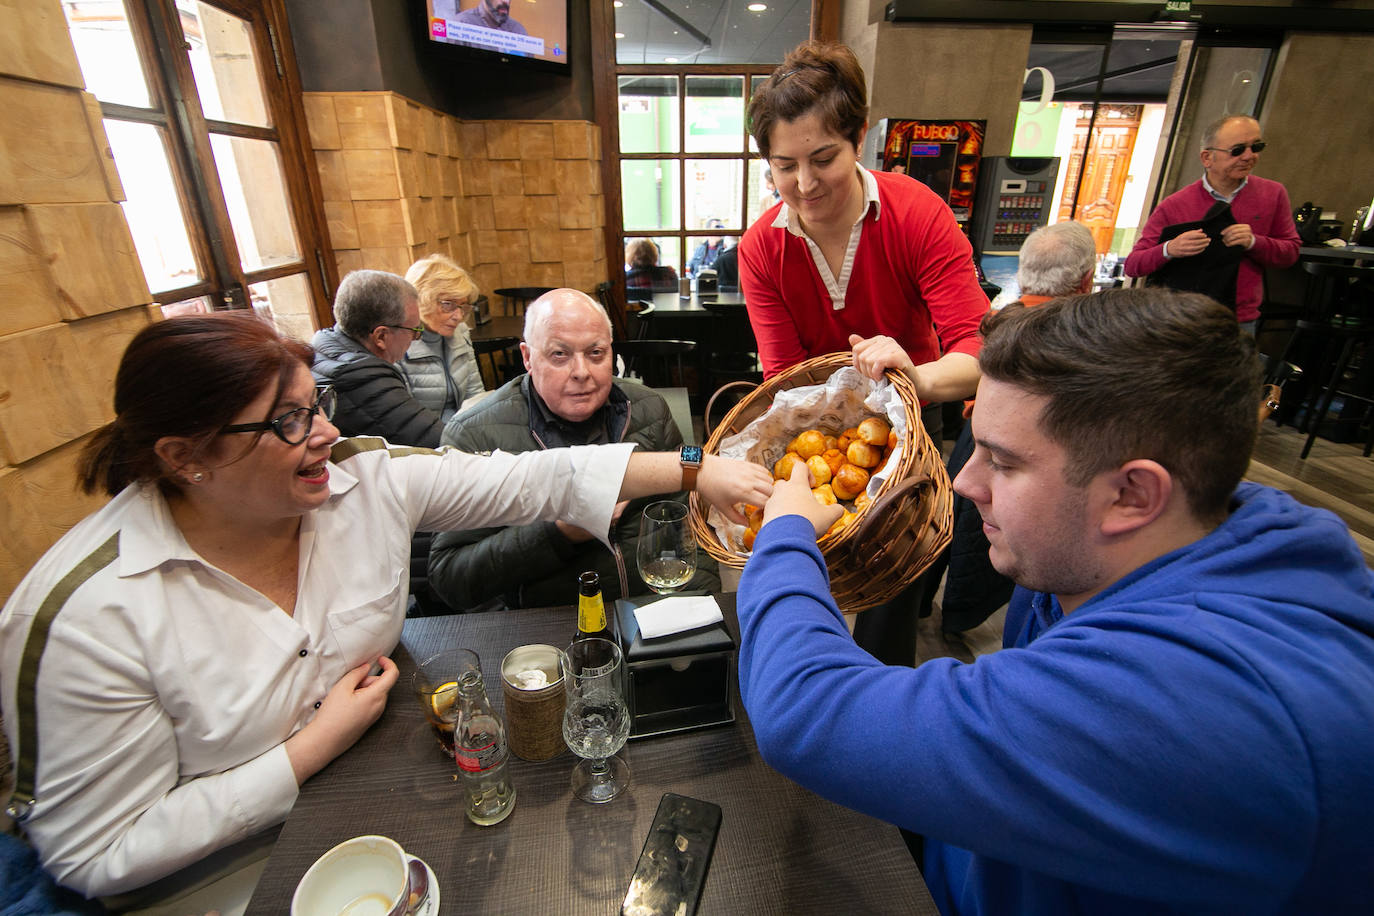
(326, 399)
(1239, 149)
(415, 332)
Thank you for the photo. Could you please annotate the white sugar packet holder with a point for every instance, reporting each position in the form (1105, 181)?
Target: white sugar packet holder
(674, 615)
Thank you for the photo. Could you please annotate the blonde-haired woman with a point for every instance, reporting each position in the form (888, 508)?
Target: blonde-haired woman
(440, 367)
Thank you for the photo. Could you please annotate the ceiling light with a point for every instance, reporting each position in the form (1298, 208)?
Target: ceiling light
(670, 60)
(757, 7)
(617, 4)
(619, 34)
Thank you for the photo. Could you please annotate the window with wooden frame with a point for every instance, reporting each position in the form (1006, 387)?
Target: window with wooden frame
(202, 108)
(680, 167)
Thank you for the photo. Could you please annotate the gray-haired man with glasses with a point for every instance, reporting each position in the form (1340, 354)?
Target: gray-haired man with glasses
(1229, 222)
(377, 316)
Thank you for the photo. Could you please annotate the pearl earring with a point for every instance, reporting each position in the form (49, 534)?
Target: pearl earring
(197, 477)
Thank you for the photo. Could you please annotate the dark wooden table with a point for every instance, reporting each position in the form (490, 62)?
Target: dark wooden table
(1336, 253)
(781, 848)
(499, 326)
(695, 306)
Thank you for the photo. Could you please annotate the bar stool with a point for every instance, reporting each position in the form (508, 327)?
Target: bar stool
(517, 297)
(1332, 339)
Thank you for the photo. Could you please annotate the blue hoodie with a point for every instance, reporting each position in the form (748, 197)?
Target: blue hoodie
(1196, 738)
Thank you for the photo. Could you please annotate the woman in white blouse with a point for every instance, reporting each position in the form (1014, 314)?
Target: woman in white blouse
(184, 658)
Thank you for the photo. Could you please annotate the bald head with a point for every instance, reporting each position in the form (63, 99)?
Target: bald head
(562, 303)
(567, 352)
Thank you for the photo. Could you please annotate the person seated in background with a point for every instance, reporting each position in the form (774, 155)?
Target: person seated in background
(184, 658)
(567, 397)
(376, 319)
(707, 252)
(643, 276)
(440, 368)
(727, 270)
(1179, 722)
(1054, 261)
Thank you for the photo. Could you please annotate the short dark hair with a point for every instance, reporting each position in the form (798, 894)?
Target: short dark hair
(816, 75)
(1209, 133)
(187, 376)
(1137, 373)
(369, 299)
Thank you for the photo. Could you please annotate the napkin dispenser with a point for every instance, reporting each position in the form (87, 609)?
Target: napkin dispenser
(677, 682)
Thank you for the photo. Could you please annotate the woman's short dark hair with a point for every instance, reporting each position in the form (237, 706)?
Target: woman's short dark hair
(187, 376)
(824, 77)
(1137, 373)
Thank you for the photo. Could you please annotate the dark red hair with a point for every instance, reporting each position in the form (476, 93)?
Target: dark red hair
(187, 376)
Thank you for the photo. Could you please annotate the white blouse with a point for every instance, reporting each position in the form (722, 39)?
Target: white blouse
(167, 687)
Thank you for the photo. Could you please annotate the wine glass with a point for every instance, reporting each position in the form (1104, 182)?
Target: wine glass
(596, 721)
(667, 551)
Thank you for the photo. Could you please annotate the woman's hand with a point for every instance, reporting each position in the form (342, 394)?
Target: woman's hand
(351, 705)
(724, 482)
(793, 496)
(875, 355)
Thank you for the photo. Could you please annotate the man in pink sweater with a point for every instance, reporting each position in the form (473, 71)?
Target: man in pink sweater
(1263, 226)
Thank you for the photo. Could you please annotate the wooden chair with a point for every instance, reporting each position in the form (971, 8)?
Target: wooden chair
(498, 359)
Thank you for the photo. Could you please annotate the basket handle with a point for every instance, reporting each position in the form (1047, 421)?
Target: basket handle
(901, 491)
(707, 425)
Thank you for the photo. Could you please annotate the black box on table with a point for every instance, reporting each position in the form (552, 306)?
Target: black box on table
(676, 682)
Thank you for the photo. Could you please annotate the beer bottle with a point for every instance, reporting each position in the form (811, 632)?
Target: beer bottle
(591, 610)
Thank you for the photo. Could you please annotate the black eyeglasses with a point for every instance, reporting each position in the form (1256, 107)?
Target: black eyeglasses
(293, 427)
(415, 332)
(1258, 146)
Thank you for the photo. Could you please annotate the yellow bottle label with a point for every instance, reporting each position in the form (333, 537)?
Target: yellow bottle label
(591, 613)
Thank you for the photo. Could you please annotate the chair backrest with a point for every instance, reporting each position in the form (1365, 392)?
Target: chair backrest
(659, 363)
(605, 292)
(498, 359)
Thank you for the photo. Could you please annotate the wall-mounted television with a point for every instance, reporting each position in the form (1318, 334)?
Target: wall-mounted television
(533, 33)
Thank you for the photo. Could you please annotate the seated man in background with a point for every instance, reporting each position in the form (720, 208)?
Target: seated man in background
(376, 318)
(1054, 261)
(567, 397)
(1179, 722)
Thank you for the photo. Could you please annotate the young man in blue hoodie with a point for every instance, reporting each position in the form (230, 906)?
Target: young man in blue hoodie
(1182, 720)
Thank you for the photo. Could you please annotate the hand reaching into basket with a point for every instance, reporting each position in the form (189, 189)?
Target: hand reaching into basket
(726, 483)
(793, 496)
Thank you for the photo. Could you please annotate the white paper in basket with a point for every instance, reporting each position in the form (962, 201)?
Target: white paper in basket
(845, 396)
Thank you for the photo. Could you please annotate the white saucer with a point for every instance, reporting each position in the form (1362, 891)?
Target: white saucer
(431, 905)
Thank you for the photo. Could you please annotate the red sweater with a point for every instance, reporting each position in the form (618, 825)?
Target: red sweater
(913, 280)
(1262, 205)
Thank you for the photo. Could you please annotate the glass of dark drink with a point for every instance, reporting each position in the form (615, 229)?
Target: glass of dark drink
(435, 683)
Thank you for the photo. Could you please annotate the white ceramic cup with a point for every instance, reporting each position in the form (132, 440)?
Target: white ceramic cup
(364, 876)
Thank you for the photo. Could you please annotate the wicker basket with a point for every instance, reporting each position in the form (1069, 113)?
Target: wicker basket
(892, 541)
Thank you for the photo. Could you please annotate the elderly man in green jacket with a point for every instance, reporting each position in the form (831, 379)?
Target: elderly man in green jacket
(568, 396)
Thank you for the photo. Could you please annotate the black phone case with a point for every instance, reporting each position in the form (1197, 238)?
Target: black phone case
(676, 856)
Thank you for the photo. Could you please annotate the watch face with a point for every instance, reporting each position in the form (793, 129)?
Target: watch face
(692, 454)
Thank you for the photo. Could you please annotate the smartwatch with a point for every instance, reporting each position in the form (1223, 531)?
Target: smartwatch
(690, 458)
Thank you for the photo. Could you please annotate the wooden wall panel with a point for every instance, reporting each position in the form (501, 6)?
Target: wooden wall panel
(91, 254)
(102, 340)
(34, 44)
(104, 153)
(500, 197)
(47, 154)
(47, 396)
(28, 297)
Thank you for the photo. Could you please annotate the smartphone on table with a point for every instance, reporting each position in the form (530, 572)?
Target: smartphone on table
(672, 866)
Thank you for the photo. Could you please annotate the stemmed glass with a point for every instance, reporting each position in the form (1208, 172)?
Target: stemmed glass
(667, 551)
(596, 721)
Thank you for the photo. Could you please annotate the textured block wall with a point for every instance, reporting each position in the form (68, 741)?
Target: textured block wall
(72, 292)
(517, 203)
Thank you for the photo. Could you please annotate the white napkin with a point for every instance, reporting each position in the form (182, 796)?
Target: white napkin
(673, 615)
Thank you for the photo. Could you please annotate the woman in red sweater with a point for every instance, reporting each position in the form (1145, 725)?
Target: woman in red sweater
(861, 260)
(851, 258)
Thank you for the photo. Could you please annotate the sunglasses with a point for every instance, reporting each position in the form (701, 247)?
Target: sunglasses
(1258, 146)
(449, 306)
(293, 427)
(415, 332)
